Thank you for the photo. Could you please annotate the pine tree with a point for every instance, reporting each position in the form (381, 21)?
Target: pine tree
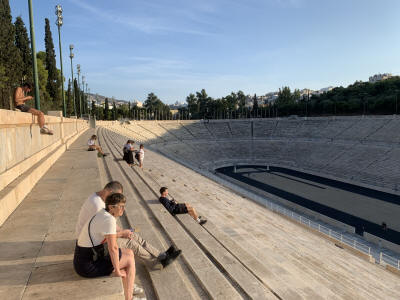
(106, 109)
(114, 111)
(70, 105)
(255, 103)
(22, 43)
(10, 59)
(77, 93)
(53, 82)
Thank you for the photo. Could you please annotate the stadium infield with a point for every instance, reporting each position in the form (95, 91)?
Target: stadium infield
(362, 208)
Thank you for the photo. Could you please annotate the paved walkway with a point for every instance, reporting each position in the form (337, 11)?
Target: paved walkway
(37, 241)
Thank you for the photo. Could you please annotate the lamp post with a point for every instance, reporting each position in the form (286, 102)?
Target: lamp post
(78, 67)
(34, 61)
(71, 56)
(59, 23)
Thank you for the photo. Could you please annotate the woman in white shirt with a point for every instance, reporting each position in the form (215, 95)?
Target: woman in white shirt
(97, 253)
(92, 145)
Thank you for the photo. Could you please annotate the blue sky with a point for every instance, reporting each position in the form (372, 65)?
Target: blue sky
(128, 49)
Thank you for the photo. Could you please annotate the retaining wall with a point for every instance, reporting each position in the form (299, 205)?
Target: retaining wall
(25, 154)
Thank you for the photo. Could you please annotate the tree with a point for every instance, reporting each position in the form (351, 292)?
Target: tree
(203, 101)
(93, 108)
(77, 93)
(45, 103)
(114, 111)
(53, 80)
(106, 109)
(255, 103)
(70, 105)
(241, 98)
(284, 96)
(23, 45)
(192, 103)
(10, 59)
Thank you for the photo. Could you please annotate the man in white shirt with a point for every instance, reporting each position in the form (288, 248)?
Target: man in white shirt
(140, 247)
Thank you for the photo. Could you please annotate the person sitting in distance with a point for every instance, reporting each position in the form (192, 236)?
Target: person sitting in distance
(97, 252)
(179, 208)
(128, 239)
(19, 100)
(128, 152)
(92, 145)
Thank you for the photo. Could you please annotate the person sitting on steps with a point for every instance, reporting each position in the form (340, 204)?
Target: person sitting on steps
(97, 253)
(132, 240)
(128, 152)
(92, 146)
(19, 100)
(179, 208)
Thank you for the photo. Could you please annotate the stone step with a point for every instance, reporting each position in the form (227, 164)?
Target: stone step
(214, 282)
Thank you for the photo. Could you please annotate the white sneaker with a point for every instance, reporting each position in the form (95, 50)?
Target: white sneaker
(137, 290)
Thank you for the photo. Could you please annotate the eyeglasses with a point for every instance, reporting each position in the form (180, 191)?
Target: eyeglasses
(119, 206)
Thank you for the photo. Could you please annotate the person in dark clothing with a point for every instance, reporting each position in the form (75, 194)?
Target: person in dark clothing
(179, 208)
(128, 152)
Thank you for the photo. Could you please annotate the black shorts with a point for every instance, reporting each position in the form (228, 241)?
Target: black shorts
(180, 208)
(23, 107)
(91, 149)
(86, 267)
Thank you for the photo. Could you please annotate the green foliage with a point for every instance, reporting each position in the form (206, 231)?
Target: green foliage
(45, 102)
(23, 45)
(53, 79)
(106, 110)
(155, 108)
(77, 93)
(70, 105)
(255, 102)
(285, 96)
(10, 59)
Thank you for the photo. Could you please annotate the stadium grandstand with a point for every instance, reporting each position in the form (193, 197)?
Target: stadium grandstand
(296, 208)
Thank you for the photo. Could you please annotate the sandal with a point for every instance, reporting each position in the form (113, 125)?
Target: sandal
(45, 130)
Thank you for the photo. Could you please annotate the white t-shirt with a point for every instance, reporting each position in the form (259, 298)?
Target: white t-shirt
(91, 142)
(102, 224)
(91, 206)
(141, 154)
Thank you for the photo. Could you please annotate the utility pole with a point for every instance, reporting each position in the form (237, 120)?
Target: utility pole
(78, 67)
(71, 56)
(59, 23)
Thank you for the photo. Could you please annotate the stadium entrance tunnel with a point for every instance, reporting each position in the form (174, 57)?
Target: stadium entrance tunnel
(363, 208)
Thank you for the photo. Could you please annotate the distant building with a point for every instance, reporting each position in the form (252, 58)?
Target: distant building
(379, 77)
(137, 103)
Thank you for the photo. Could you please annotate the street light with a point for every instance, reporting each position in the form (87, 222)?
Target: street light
(59, 23)
(34, 61)
(78, 67)
(71, 56)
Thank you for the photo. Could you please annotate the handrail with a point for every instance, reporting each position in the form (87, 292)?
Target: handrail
(353, 243)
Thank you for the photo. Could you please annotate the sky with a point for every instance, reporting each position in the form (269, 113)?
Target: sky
(128, 49)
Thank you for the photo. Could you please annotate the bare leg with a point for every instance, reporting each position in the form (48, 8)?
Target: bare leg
(192, 211)
(39, 114)
(98, 148)
(127, 263)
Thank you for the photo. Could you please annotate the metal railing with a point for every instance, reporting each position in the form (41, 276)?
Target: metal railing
(353, 243)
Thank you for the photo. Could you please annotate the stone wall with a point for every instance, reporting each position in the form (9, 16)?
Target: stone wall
(22, 146)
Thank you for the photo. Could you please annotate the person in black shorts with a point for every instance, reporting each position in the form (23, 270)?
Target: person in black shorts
(179, 208)
(97, 252)
(19, 100)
